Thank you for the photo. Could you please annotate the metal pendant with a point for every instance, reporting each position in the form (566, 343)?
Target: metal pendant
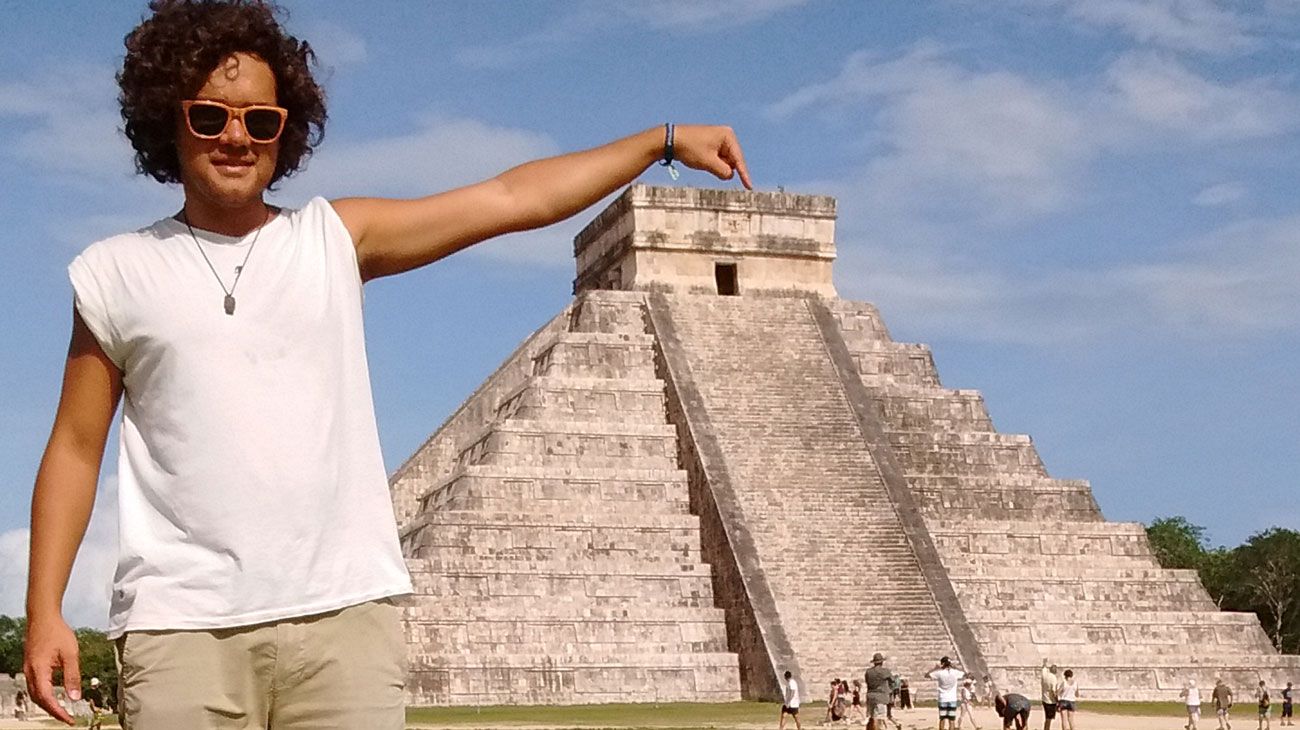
(230, 304)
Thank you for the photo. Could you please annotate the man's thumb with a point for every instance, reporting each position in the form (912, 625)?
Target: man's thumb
(72, 675)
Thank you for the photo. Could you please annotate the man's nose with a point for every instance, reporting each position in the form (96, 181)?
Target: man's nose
(234, 133)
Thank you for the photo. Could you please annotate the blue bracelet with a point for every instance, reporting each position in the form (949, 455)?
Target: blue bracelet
(667, 161)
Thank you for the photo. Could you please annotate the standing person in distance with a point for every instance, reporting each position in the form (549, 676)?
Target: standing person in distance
(1264, 703)
(1051, 681)
(1222, 697)
(1287, 710)
(946, 677)
(1067, 699)
(790, 706)
(878, 692)
(254, 509)
(1191, 697)
(966, 698)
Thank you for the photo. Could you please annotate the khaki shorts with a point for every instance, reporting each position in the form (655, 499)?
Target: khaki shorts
(342, 670)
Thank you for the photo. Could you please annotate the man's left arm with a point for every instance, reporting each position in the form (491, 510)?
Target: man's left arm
(393, 236)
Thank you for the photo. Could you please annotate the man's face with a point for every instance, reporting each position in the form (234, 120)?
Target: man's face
(230, 171)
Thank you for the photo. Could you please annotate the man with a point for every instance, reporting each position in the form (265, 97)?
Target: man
(1286, 706)
(946, 677)
(1191, 697)
(879, 692)
(1264, 703)
(1012, 708)
(259, 554)
(1222, 697)
(790, 706)
(1051, 682)
(98, 707)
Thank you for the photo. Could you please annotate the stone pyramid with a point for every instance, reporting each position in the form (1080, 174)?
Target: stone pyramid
(709, 469)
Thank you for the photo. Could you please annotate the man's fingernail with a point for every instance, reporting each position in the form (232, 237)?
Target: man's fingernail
(75, 695)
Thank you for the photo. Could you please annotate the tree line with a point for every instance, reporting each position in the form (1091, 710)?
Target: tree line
(1261, 575)
(96, 652)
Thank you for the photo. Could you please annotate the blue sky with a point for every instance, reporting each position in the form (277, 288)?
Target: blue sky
(1086, 207)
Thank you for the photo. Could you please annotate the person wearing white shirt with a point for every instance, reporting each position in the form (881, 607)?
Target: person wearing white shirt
(791, 703)
(946, 676)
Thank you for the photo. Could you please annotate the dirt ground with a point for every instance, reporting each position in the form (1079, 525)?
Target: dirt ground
(919, 719)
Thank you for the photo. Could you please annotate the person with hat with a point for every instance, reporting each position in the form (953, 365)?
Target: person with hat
(946, 677)
(98, 707)
(879, 691)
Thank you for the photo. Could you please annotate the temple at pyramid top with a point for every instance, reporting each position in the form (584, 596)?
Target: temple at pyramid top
(694, 241)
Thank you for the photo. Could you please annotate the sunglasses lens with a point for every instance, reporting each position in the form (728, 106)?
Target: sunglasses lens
(207, 120)
(262, 125)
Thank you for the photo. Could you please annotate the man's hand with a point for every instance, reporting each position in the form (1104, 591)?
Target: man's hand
(711, 149)
(50, 643)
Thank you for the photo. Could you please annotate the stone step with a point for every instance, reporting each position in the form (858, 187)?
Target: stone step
(621, 312)
(532, 535)
(591, 443)
(498, 638)
(1032, 564)
(1116, 636)
(1104, 571)
(416, 612)
(881, 362)
(547, 678)
(966, 452)
(598, 355)
(594, 561)
(555, 398)
(1020, 595)
(1020, 504)
(643, 585)
(903, 406)
(1043, 529)
(1101, 614)
(859, 322)
(508, 488)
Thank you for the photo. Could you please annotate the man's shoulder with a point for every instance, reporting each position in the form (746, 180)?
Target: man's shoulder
(127, 243)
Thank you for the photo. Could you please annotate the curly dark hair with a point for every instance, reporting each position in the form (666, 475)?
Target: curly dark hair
(170, 56)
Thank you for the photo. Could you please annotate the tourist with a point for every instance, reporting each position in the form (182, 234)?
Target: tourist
(790, 705)
(856, 711)
(878, 692)
(904, 695)
(1012, 707)
(1286, 706)
(1222, 697)
(1191, 696)
(1067, 697)
(987, 688)
(1264, 704)
(946, 677)
(98, 707)
(1051, 682)
(833, 703)
(843, 702)
(966, 698)
(20, 705)
(252, 490)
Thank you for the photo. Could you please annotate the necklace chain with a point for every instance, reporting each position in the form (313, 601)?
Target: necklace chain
(229, 302)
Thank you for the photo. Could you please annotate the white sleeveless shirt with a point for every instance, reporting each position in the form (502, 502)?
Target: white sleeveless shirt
(251, 487)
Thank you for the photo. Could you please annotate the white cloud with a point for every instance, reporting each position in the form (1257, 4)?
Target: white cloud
(597, 16)
(1165, 96)
(705, 15)
(66, 121)
(1220, 194)
(440, 154)
(85, 602)
(993, 145)
(1236, 281)
(1189, 25)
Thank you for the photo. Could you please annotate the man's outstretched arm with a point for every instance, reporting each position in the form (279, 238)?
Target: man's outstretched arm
(393, 236)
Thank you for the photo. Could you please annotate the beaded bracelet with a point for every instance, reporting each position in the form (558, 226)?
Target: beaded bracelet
(667, 161)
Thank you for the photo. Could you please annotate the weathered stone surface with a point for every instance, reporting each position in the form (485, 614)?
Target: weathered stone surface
(667, 494)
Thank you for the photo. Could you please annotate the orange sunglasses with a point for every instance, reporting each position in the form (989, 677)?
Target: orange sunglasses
(209, 119)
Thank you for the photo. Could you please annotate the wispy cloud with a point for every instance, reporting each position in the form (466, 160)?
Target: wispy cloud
(438, 154)
(591, 17)
(1220, 194)
(86, 600)
(1202, 26)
